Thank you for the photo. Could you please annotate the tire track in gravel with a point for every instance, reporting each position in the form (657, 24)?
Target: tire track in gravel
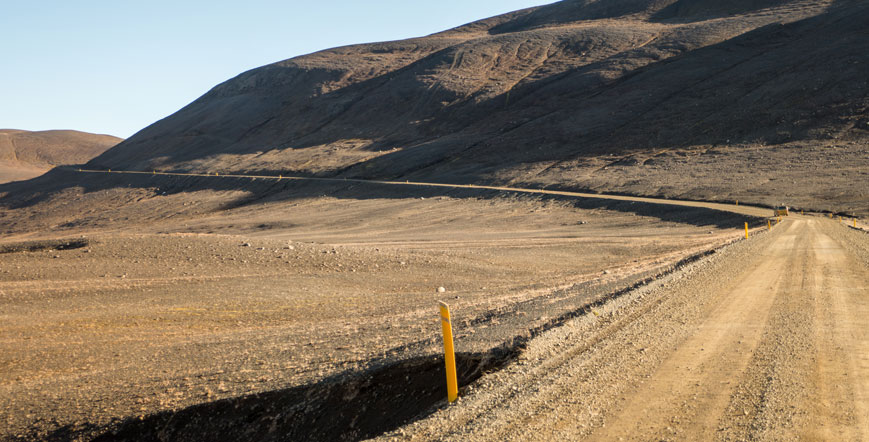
(690, 390)
(840, 403)
(569, 379)
(766, 340)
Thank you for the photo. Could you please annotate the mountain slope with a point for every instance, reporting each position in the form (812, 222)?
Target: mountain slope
(25, 154)
(568, 76)
(764, 101)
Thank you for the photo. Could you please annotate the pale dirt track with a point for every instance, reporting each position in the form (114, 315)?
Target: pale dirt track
(161, 310)
(764, 340)
(768, 340)
(735, 208)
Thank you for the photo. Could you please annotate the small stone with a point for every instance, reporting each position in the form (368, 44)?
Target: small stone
(247, 244)
(441, 290)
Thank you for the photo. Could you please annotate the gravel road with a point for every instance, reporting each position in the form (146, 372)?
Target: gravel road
(767, 339)
(212, 319)
(162, 311)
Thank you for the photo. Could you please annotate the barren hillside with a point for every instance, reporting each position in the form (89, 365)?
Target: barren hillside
(25, 154)
(265, 264)
(636, 96)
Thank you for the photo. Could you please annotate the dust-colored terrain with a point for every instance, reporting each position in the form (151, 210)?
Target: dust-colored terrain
(24, 154)
(766, 340)
(154, 315)
(265, 264)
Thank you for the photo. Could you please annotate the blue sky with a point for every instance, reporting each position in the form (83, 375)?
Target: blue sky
(117, 66)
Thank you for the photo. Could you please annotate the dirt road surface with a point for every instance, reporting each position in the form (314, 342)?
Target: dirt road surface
(211, 318)
(766, 340)
(147, 309)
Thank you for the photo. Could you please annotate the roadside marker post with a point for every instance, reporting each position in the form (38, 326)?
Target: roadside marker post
(855, 222)
(768, 225)
(737, 202)
(449, 353)
(746, 230)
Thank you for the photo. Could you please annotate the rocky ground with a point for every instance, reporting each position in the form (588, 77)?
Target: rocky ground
(765, 340)
(112, 322)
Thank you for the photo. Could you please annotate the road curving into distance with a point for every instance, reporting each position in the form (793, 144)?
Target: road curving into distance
(766, 339)
(735, 208)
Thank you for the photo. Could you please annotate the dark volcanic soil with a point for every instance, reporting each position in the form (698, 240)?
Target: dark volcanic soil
(553, 95)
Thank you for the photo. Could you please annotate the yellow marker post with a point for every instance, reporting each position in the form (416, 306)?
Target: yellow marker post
(737, 202)
(855, 222)
(768, 225)
(449, 353)
(746, 230)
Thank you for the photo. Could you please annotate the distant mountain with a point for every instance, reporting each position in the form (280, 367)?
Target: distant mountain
(543, 86)
(24, 154)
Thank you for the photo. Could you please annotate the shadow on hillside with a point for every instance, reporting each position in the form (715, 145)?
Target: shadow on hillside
(752, 88)
(34, 193)
(749, 89)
